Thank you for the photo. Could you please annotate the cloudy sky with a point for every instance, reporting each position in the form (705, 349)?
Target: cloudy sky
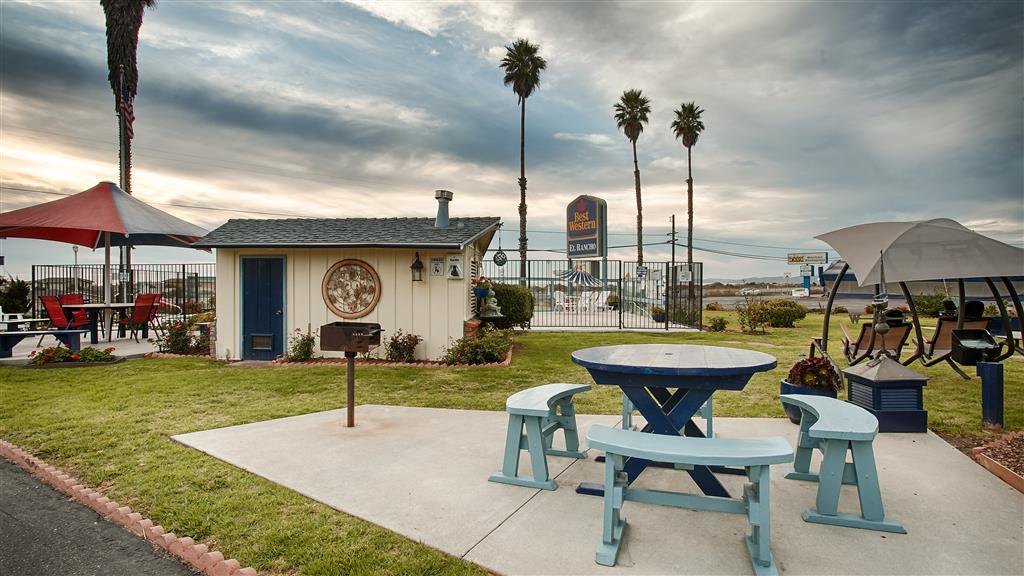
(819, 115)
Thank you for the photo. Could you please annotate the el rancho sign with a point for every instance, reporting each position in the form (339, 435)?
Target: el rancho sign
(586, 232)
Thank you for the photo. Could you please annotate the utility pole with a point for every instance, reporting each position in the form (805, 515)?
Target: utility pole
(672, 270)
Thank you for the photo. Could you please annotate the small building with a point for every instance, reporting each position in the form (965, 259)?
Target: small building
(410, 274)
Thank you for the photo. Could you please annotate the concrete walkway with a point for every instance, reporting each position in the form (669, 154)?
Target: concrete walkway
(42, 533)
(422, 472)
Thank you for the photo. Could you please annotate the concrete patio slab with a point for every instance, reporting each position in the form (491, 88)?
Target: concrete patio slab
(422, 473)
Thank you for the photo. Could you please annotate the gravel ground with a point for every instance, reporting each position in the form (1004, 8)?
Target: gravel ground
(1009, 453)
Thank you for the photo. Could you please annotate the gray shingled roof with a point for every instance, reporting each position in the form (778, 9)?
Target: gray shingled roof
(351, 232)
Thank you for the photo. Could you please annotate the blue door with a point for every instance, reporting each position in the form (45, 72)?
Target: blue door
(262, 308)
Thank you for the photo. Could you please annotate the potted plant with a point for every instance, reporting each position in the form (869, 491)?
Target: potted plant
(481, 285)
(815, 376)
(613, 302)
(658, 314)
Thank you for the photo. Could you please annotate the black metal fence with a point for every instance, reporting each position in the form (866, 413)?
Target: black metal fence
(191, 287)
(622, 294)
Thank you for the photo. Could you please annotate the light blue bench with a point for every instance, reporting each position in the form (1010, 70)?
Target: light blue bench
(542, 411)
(836, 427)
(754, 454)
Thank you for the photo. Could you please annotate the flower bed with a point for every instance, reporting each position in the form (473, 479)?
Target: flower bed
(1004, 457)
(284, 362)
(64, 357)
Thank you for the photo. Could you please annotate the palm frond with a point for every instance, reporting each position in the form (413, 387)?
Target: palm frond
(631, 113)
(522, 65)
(688, 126)
(123, 18)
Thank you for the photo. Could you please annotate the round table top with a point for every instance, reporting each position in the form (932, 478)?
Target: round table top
(673, 360)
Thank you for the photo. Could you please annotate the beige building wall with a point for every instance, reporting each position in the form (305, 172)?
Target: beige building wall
(435, 309)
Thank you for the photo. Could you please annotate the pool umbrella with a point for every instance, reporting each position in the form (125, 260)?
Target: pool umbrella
(925, 250)
(581, 277)
(103, 215)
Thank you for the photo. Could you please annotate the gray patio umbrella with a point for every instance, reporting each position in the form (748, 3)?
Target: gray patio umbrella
(926, 250)
(581, 277)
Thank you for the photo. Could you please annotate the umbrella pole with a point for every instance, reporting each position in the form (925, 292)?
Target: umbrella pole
(919, 351)
(106, 267)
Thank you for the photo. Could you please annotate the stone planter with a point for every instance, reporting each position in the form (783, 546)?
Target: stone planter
(793, 412)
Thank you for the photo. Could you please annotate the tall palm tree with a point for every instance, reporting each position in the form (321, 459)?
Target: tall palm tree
(522, 66)
(688, 127)
(630, 116)
(124, 18)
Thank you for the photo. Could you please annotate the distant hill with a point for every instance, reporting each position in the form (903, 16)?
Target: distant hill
(756, 280)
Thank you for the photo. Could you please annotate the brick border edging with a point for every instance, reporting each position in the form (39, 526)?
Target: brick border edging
(197, 556)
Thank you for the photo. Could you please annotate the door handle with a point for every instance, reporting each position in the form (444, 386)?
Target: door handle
(278, 312)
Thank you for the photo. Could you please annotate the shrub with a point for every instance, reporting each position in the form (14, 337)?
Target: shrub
(680, 315)
(179, 339)
(752, 314)
(300, 346)
(930, 304)
(714, 307)
(491, 347)
(717, 323)
(201, 318)
(783, 313)
(516, 304)
(14, 295)
(869, 309)
(840, 310)
(401, 347)
(815, 372)
(657, 310)
(58, 354)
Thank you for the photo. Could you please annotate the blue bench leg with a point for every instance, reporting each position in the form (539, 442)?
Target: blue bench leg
(535, 444)
(614, 524)
(834, 470)
(707, 415)
(567, 422)
(627, 413)
(72, 341)
(805, 446)
(759, 510)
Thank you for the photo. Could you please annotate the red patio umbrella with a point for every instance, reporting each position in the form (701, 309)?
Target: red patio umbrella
(103, 215)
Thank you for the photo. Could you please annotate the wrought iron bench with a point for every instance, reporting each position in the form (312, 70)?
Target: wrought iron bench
(754, 454)
(836, 427)
(542, 410)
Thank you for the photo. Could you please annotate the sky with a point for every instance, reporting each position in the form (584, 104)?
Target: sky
(818, 116)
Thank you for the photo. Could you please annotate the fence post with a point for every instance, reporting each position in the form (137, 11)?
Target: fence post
(622, 296)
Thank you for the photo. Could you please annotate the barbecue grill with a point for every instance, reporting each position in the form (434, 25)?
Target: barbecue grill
(350, 338)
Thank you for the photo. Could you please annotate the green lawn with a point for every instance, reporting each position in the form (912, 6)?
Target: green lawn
(111, 426)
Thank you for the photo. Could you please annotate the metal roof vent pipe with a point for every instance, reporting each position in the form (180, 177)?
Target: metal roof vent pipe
(443, 198)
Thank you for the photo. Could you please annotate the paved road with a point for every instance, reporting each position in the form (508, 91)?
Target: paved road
(43, 533)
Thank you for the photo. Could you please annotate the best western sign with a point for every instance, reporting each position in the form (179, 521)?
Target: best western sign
(586, 228)
(807, 258)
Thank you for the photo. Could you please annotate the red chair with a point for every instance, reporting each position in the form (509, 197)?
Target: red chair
(60, 320)
(154, 319)
(67, 300)
(141, 315)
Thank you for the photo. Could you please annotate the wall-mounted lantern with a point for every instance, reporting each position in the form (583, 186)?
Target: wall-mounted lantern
(417, 269)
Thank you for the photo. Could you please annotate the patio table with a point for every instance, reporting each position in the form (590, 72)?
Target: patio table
(668, 383)
(94, 310)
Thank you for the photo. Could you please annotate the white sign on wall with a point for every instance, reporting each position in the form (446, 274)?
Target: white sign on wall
(437, 265)
(453, 267)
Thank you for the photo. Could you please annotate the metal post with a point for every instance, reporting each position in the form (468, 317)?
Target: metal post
(672, 270)
(991, 374)
(622, 296)
(350, 401)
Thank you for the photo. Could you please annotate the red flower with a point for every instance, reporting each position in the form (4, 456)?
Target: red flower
(178, 325)
(75, 357)
(32, 353)
(108, 350)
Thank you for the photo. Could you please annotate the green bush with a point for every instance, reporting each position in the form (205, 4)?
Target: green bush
(401, 347)
(840, 310)
(929, 304)
(753, 314)
(61, 353)
(14, 295)
(717, 323)
(516, 303)
(714, 307)
(300, 346)
(178, 339)
(491, 347)
(783, 313)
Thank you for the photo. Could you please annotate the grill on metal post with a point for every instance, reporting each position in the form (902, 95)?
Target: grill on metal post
(350, 338)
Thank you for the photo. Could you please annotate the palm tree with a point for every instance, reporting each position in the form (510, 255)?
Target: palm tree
(124, 18)
(522, 66)
(688, 127)
(630, 116)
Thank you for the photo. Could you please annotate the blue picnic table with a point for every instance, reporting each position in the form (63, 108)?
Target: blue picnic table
(668, 383)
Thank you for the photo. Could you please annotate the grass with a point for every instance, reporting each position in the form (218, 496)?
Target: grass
(112, 427)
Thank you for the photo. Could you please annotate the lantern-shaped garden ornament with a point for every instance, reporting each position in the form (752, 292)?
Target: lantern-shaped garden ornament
(890, 391)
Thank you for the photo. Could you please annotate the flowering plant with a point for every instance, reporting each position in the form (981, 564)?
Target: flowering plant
(481, 282)
(301, 346)
(60, 353)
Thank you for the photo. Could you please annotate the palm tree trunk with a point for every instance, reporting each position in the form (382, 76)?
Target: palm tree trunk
(690, 300)
(522, 190)
(639, 211)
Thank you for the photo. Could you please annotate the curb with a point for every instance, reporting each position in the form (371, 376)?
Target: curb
(196, 556)
(996, 468)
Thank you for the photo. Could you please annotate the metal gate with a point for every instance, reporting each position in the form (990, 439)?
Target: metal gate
(607, 293)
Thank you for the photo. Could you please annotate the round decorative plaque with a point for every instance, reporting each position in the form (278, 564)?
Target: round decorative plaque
(351, 288)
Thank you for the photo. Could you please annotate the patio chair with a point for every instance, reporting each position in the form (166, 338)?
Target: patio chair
(590, 301)
(71, 299)
(58, 319)
(856, 349)
(562, 303)
(142, 314)
(154, 317)
(940, 346)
